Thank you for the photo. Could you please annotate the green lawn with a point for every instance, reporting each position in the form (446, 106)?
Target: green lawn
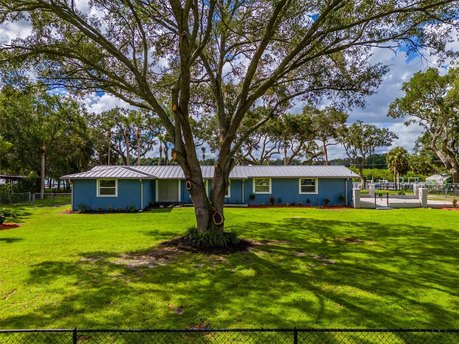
(312, 268)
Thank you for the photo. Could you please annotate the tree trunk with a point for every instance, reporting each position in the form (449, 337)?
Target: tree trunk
(449, 160)
(138, 146)
(126, 137)
(362, 178)
(160, 153)
(42, 170)
(325, 149)
(202, 205)
(209, 209)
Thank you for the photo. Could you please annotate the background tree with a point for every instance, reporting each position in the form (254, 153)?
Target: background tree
(327, 124)
(398, 162)
(361, 140)
(47, 132)
(5, 146)
(181, 59)
(424, 161)
(116, 131)
(289, 137)
(432, 101)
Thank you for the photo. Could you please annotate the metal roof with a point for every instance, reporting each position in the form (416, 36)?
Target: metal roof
(238, 172)
(292, 171)
(112, 172)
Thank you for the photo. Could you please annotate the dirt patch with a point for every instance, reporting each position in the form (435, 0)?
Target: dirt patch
(269, 242)
(176, 310)
(449, 209)
(157, 257)
(350, 240)
(7, 296)
(322, 259)
(201, 326)
(6, 226)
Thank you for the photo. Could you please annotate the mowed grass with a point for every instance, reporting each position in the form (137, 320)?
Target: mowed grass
(311, 268)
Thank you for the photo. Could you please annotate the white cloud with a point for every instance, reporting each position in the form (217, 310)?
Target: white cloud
(18, 29)
(105, 102)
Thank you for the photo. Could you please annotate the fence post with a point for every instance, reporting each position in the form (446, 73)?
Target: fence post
(295, 336)
(423, 197)
(356, 197)
(387, 199)
(75, 336)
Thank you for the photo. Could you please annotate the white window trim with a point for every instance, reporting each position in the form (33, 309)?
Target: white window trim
(103, 196)
(309, 193)
(228, 192)
(263, 193)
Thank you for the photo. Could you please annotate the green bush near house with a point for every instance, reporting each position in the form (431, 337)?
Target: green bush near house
(307, 268)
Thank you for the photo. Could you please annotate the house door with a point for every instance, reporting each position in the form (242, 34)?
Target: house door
(168, 191)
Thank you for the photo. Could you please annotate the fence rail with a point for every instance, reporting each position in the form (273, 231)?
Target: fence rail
(290, 336)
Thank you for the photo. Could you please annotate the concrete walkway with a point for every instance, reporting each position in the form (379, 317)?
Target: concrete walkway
(400, 202)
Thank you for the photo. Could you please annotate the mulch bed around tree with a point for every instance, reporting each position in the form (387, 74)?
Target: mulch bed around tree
(6, 226)
(182, 244)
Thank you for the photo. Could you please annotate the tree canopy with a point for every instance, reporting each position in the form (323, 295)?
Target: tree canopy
(43, 129)
(398, 162)
(222, 58)
(432, 101)
(361, 140)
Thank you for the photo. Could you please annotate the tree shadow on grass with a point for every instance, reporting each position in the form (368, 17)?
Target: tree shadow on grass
(10, 240)
(305, 273)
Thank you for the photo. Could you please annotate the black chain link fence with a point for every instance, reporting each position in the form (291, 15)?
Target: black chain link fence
(248, 336)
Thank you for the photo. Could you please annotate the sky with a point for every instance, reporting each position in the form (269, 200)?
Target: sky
(402, 67)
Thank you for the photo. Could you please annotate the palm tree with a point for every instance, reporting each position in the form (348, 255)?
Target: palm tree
(397, 161)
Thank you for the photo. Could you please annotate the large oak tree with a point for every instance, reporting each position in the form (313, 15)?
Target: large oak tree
(183, 58)
(432, 101)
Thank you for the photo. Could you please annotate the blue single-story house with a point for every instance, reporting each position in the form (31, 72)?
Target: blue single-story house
(121, 187)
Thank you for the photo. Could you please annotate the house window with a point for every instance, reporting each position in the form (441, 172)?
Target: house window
(107, 188)
(262, 185)
(308, 185)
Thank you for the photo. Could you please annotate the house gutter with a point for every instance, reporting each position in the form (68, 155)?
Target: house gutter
(346, 182)
(141, 195)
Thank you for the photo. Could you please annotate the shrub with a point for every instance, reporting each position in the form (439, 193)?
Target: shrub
(252, 197)
(131, 208)
(308, 201)
(279, 200)
(341, 199)
(8, 213)
(272, 200)
(210, 239)
(455, 203)
(326, 201)
(84, 208)
(2, 218)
